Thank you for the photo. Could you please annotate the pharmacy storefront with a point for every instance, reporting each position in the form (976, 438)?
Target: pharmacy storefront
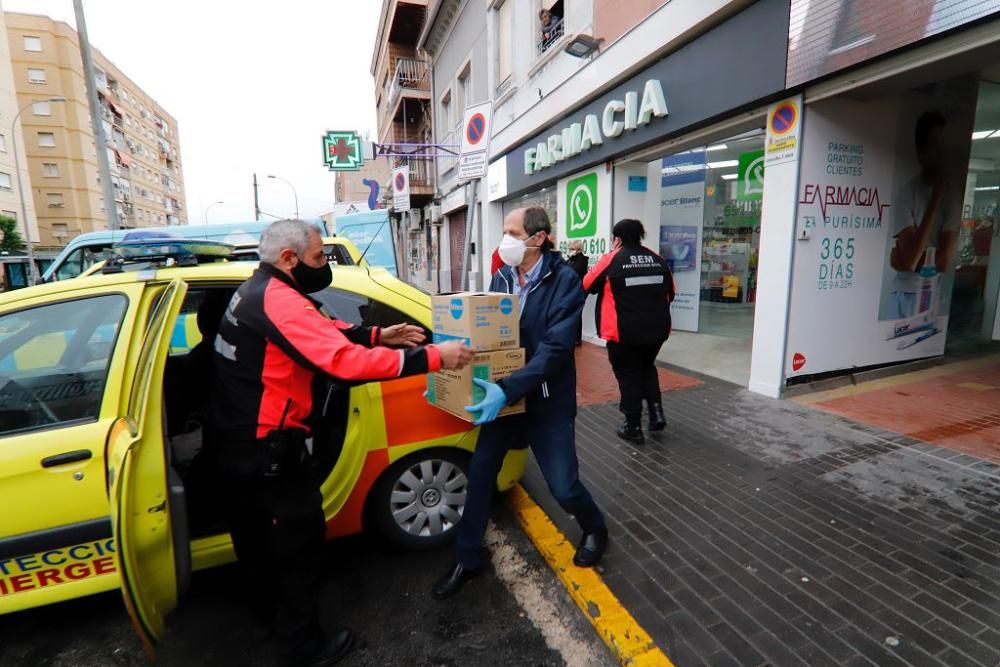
(610, 160)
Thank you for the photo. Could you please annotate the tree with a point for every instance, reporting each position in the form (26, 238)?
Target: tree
(10, 238)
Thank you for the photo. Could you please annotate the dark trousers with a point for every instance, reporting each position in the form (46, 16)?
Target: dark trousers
(635, 370)
(553, 441)
(279, 531)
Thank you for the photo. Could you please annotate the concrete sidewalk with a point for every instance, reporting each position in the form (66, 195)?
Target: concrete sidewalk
(761, 532)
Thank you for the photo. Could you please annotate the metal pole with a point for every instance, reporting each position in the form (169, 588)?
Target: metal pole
(469, 226)
(24, 208)
(256, 200)
(101, 140)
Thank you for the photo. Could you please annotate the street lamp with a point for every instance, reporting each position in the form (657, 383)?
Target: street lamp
(279, 178)
(207, 208)
(32, 272)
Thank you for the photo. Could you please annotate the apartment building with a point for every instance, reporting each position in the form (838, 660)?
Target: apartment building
(144, 147)
(403, 100)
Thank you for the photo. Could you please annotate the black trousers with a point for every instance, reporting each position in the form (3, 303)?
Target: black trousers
(279, 530)
(635, 370)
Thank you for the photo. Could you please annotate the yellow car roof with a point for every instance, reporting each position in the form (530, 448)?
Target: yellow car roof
(352, 278)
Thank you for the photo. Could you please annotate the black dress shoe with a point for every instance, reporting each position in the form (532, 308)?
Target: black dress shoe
(632, 433)
(657, 422)
(334, 649)
(452, 582)
(590, 549)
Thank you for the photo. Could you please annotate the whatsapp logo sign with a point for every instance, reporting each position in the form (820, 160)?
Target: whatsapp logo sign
(581, 206)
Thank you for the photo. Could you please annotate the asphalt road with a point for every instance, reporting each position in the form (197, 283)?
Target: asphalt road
(517, 615)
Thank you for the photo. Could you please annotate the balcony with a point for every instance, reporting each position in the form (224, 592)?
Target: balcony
(411, 79)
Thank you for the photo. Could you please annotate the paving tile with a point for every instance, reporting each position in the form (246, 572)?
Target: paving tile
(715, 522)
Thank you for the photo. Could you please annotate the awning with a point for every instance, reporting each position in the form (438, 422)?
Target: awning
(123, 158)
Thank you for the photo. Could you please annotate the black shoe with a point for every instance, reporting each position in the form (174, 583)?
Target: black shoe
(333, 649)
(657, 422)
(631, 432)
(452, 582)
(591, 548)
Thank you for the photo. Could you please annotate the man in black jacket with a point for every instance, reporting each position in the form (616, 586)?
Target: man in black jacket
(634, 288)
(551, 301)
(272, 343)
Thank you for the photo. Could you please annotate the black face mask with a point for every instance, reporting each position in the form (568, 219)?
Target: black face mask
(310, 279)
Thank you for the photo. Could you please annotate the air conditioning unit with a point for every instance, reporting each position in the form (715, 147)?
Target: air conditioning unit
(434, 214)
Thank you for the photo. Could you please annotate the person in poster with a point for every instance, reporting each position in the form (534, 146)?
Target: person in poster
(925, 224)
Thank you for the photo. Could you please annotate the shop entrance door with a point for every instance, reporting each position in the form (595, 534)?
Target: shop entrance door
(973, 310)
(456, 245)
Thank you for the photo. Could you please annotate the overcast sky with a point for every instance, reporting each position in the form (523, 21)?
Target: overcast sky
(253, 85)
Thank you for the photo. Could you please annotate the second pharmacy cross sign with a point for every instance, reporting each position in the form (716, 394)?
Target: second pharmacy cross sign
(474, 155)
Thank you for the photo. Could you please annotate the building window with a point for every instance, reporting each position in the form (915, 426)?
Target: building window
(465, 85)
(32, 43)
(36, 75)
(447, 116)
(9, 214)
(3, 143)
(60, 230)
(46, 139)
(55, 199)
(505, 45)
(42, 108)
(5, 182)
(50, 170)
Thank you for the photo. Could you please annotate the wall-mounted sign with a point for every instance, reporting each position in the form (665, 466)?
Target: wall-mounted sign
(401, 188)
(342, 151)
(784, 127)
(617, 117)
(474, 155)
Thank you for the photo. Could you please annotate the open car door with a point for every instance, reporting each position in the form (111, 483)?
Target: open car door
(147, 499)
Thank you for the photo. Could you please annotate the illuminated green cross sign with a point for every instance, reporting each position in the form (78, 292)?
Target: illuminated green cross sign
(342, 151)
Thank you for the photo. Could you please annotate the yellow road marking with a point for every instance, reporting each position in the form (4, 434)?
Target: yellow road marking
(624, 636)
(895, 381)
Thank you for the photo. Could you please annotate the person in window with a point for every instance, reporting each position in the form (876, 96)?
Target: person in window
(925, 216)
(551, 27)
(273, 344)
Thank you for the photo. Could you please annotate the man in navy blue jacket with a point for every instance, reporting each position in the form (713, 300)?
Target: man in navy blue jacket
(551, 301)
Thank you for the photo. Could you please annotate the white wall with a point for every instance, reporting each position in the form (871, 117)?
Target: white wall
(9, 200)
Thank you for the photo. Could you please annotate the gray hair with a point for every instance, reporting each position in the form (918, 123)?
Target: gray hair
(294, 234)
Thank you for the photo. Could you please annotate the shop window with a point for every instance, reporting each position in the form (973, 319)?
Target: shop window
(550, 25)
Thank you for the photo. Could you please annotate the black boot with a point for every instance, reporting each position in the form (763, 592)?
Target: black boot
(657, 422)
(631, 430)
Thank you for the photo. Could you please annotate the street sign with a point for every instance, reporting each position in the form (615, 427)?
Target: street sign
(401, 188)
(474, 154)
(342, 151)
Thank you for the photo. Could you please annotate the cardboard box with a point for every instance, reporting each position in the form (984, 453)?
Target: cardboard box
(451, 391)
(483, 320)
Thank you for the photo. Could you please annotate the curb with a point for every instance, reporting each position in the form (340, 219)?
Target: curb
(624, 636)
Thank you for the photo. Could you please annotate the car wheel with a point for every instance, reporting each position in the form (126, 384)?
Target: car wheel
(419, 500)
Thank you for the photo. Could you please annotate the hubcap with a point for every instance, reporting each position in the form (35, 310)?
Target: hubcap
(428, 498)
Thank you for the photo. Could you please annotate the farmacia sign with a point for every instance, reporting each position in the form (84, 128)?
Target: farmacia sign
(617, 117)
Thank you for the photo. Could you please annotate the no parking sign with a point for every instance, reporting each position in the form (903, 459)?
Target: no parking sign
(401, 188)
(475, 141)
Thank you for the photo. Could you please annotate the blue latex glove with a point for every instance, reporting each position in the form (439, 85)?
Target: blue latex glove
(492, 403)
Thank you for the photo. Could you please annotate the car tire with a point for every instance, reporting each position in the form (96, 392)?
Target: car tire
(418, 501)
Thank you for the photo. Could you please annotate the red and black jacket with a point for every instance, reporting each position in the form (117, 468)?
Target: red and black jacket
(273, 341)
(634, 288)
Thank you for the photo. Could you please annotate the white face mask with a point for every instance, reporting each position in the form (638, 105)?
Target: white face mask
(512, 250)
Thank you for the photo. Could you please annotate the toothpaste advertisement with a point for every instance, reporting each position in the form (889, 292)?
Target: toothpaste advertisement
(880, 201)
